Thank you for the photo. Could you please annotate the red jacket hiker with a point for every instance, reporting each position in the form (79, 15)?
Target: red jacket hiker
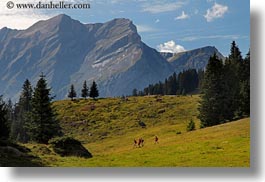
(156, 139)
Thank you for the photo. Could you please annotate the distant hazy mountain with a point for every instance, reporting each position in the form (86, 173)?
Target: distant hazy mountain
(69, 52)
(167, 55)
(197, 58)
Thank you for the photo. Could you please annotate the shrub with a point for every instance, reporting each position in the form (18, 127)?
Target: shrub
(142, 124)
(178, 132)
(191, 126)
(161, 111)
(68, 146)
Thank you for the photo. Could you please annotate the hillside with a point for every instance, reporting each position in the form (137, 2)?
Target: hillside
(114, 117)
(107, 128)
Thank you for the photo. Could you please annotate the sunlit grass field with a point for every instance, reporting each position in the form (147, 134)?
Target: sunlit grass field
(108, 127)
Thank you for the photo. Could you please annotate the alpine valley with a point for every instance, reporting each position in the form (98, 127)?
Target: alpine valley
(69, 52)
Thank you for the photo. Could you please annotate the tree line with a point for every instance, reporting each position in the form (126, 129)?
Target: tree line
(85, 92)
(32, 118)
(226, 89)
(185, 82)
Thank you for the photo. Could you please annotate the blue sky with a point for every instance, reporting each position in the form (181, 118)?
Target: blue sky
(167, 25)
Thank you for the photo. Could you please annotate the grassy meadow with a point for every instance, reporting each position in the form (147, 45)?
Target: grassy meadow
(108, 127)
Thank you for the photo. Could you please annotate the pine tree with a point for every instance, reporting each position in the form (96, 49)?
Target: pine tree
(174, 84)
(26, 96)
(201, 78)
(245, 86)
(72, 92)
(188, 81)
(43, 125)
(94, 90)
(211, 104)
(191, 125)
(85, 91)
(232, 68)
(10, 115)
(166, 85)
(10, 111)
(181, 83)
(140, 93)
(21, 114)
(135, 92)
(4, 123)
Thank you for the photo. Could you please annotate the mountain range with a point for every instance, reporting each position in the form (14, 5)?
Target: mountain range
(70, 52)
(196, 59)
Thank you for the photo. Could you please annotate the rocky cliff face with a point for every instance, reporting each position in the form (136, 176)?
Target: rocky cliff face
(195, 59)
(69, 52)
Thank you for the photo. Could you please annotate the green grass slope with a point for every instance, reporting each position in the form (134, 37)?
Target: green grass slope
(107, 128)
(114, 117)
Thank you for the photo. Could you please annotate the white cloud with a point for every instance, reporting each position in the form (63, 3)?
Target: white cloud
(183, 16)
(145, 28)
(171, 47)
(24, 18)
(157, 21)
(161, 6)
(217, 11)
(20, 21)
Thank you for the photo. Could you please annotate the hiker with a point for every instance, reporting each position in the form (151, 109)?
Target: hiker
(139, 142)
(135, 143)
(156, 139)
(142, 142)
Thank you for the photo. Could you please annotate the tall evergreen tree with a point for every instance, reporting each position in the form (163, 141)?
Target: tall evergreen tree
(180, 83)
(160, 88)
(85, 91)
(211, 104)
(201, 78)
(44, 125)
(26, 96)
(10, 110)
(135, 92)
(72, 92)
(21, 114)
(172, 84)
(166, 87)
(140, 93)
(94, 90)
(146, 91)
(245, 86)
(4, 123)
(188, 81)
(232, 68)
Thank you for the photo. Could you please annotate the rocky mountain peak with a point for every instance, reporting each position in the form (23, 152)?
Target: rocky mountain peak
(70, 52)
(61, 22)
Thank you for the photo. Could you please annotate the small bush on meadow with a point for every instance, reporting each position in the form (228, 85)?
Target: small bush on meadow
(178, 132)
(67, 146)
(191, 126)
